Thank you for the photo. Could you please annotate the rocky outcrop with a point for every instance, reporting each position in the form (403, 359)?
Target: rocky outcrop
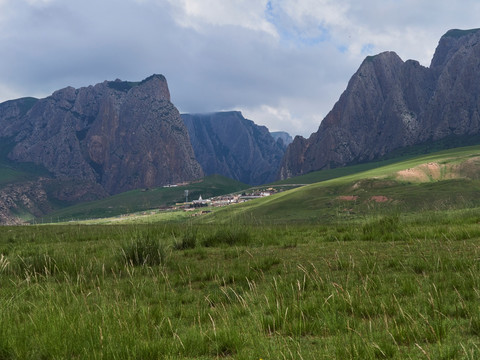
(121, 135)
(23, 201)
(226, 143)
(18, 202)
(390, 104)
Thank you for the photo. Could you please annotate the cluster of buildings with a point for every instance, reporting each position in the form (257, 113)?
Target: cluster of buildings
(225, 200)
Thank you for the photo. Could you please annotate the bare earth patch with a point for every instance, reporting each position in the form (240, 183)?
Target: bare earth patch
(433, 171)
(348, 197)
(379, 198)
(428, 172)
(422, 173)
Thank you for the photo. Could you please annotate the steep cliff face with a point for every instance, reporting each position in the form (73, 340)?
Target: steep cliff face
(226, 143)
(121, 135)
(390, 104)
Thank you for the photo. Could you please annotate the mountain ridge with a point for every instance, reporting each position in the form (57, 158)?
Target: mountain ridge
(390, 104)
(122, 135)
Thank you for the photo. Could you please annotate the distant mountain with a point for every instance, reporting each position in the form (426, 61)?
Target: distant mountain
(226, 143)
(282, 136)
(391, 104)
(121, 135)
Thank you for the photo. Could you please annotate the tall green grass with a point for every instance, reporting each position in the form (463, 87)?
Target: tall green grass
(382, 287)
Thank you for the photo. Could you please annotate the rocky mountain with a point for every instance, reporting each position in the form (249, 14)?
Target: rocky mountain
(226, 143)
(391, 104)
(84, 144)
(283, 137)
(121, 135)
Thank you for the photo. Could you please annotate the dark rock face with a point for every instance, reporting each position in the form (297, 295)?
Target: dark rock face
(390, 104)
(226, 143)
(121, 135)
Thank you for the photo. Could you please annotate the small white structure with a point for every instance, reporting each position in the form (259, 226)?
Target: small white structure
(201, 202)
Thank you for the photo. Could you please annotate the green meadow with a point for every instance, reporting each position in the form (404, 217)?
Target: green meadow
(378, 264)
(141, 200)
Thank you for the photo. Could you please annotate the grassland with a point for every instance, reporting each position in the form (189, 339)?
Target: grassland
(143, 199)
(389, 287)
(305, 274)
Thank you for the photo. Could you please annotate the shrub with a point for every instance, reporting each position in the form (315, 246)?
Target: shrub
(385, 228)
(228, 236)
(3, 263)
(145, 251)
(37, 263)
(188, 241)
(6, 353)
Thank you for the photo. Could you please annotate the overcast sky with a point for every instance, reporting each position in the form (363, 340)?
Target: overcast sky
(283, 63)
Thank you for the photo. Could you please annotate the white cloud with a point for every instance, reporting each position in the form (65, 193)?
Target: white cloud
(39, 2)
(412, 28)
(275, 119)
(243, 13)
(307, 13)
(296, 116)
(283, 61)
(7, 92)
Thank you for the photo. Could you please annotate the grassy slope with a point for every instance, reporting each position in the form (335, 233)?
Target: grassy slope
(328, 174)
(9, 175)
(321, 201)
(138, 200)
(11, 172)
(397, 156)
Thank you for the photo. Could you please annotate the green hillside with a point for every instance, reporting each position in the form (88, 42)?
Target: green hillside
(396, 156)
(444, 180)
(11, 172)
(143, 199)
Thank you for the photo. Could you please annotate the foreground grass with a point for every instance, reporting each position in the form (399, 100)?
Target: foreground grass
(385, 287)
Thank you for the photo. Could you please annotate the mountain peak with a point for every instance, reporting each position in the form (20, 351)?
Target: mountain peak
(384, 56)
(390, 104)
(154, 77)
(154, 85)
(457, 33)
(454, 42)
(119, 134)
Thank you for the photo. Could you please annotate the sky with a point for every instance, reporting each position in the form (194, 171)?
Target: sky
(283, 63)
